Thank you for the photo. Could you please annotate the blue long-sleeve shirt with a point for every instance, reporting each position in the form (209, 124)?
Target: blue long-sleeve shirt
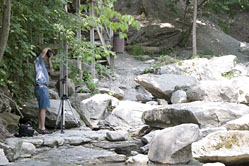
(41, 76)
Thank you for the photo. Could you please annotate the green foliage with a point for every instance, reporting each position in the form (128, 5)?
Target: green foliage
(224, 26)
(36, 24)
(228, 75)
(152, 69)
(220, 6)
(163, 60)
(137, 49)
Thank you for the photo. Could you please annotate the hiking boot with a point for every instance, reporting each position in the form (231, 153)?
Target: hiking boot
(44, 131)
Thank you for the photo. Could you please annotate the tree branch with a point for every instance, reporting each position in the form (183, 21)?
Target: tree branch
(2, 94)
(4, 31)
(201, 4)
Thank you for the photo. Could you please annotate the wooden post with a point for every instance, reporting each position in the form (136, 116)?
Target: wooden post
(194, 29)
(78, 36)
(64, 65)
(91, 13)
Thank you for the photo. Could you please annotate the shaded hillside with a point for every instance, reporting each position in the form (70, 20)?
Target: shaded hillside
(165, 26)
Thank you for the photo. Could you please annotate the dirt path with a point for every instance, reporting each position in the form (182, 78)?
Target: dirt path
(126, 70)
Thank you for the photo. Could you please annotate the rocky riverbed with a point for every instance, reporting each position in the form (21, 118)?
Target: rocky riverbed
(182, 112)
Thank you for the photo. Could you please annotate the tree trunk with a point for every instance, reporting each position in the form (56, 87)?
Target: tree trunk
(4, 31)
(194, 29)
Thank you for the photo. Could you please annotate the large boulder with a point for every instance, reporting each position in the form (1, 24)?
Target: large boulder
(97, 107)
(179, 96)
(162, 86)
(234, 90)
(173, 145)
(228, 147)
(205, 114)
(128, 114)
(10, 121)
(202, 68)
(211, 90)
(3, 159)
(30, 111)
(240, 83)
(238, 124)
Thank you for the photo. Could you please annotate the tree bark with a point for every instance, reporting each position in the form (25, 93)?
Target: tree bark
(194, 29)
(4, 31)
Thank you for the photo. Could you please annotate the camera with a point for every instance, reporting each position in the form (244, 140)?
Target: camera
(49, 53)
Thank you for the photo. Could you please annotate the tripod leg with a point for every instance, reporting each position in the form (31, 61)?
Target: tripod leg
(74, 116)
(63, 116)
(58, 116)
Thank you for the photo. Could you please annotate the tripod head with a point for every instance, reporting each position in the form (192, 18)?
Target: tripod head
(64, 79)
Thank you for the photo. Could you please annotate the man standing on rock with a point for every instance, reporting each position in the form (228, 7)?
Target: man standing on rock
(41, 86)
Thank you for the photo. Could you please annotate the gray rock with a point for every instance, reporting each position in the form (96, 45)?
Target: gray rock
(214, 164)
(53, 141)
(207, 131)
(3, 159)
(120, 147)
(98, 104)
(205, 114)
(28, 149)
(240, 84)
(202, 68)
(53, 94)
(228, 147)
(36, 141)
(215, 91)
(179, 96)
(173, 145)
(139, 159)
(10, 121)
(97, 107)
(152, 103)
(76, 140)
(12, 149)
(145, 149)
(244, 48)
(162, 102)
(128, 115)
(82, 96)
(73, 156)
(30, 111)
(148, 137)
(143, 95)
(162, 86)
(117, 135)
(115, 92)
(238, 124)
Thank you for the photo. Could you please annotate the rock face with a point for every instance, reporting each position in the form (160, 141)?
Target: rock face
(238, 124)
(229, 147)
(117, 135)
(30, 111)
(240, 84)
(202, 68)
(179, 96)
(3, 159)
(10, 121)
(173, 145)
(162, 86)
(214, 164)
(97, 106)
(205, 114)
(28, 149)
(128, 114)
(216, 91)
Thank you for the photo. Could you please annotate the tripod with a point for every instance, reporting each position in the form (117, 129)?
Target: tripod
(61, 111)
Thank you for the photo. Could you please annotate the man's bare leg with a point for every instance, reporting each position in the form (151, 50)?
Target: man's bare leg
(41, 119)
